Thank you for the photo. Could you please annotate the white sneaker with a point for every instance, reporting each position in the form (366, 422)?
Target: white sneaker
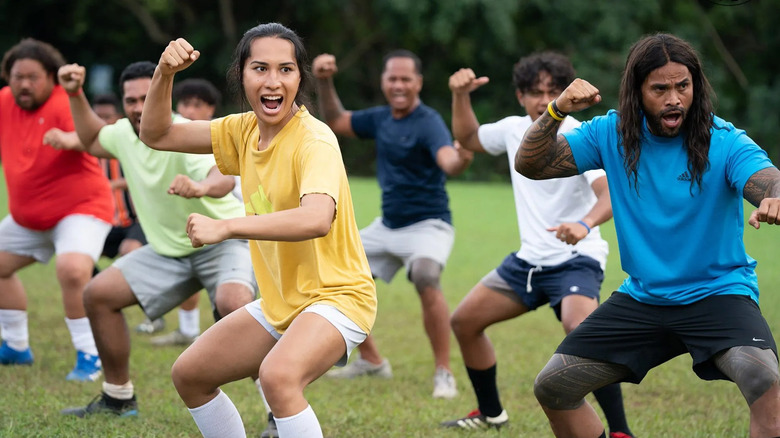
(444, 384)
(361, 367)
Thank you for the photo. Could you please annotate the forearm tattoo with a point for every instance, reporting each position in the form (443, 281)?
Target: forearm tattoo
(763, 184)
(543, 153)
(566, 380)
(753, 369)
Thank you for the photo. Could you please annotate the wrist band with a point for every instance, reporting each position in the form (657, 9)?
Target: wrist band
(584, 225)
(75, 93)
(555, 113)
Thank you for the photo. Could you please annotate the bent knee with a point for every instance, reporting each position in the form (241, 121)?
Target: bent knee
(552, 394)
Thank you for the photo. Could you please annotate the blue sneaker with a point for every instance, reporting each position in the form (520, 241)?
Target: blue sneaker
(9, 356)
(87, 369)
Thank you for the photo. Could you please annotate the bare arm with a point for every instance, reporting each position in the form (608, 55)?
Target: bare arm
(464, 122)
(573, 232)
(87, 123)
(59, 139)
(763, 190)
(339, 119)
(215, 185)
(157, 129)
(454, 160)
(311, 220)
(543, 153)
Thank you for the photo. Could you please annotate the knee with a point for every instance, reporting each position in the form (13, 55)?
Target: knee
(461, 324)
(276, 381)
(425, 278)
(755, 383)
(183, 375)
(549, 394)
(231, 297)
(74, 271)
(95, 296)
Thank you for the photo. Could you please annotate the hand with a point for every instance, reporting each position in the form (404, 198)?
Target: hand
(177, 56)
(578, 96)
(768, 211)
(464, 154)
(203, 230)
(71, 77)
(57, 138)
(185, 187)
(324, 66)
(465, 81)
(570, 232)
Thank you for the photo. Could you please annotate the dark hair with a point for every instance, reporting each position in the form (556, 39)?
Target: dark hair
(106, 99)
(30, 48)
(403, 53)
(199, 89)
(136, 70)
(235, 73)
(646, 55)
(525, 73)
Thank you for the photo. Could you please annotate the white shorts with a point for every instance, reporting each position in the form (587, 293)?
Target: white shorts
(78, 233)
(387, 249)
(352, 334)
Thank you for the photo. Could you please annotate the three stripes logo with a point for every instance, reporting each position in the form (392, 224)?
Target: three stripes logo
(685, 176)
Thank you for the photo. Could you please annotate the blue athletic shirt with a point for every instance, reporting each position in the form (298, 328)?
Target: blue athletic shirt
(412, 183)
(678, 244)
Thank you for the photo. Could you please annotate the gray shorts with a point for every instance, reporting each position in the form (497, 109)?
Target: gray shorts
(78, 233)
(352, 334)
(388, 249)
(161, 283)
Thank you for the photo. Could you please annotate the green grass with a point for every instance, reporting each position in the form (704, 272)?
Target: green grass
(671, 402)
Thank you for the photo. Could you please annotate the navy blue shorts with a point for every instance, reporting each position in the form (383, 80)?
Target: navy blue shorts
(536, 286)
(643, 336)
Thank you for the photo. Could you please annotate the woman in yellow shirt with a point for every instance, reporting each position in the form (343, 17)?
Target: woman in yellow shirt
(318, 298)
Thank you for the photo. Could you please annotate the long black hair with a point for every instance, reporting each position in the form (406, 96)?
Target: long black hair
(646, 55)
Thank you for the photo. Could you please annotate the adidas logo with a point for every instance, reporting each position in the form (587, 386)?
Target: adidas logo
(685, 176)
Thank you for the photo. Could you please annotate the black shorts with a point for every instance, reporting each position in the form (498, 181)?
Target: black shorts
(118, 234)
(642, 336)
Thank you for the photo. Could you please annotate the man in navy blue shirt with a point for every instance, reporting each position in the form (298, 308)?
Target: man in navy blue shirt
(415, 153)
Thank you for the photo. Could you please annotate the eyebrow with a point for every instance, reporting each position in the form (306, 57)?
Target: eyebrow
(664, 86)
(286, 63)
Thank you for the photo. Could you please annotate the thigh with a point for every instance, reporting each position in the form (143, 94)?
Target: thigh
(717, 323)
(81, 234)
(159, 283)
(489, 302)
(21, 241)
(231, 349)
(626, 332)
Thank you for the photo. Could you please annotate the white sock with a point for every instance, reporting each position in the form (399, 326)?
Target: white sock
(81, 335)
(219, 418)
(121, 392)
(262, 395)
(303, 424)
(13, 328)
(189, 322)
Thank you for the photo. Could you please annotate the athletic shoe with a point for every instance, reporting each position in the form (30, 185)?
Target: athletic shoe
(475, 420)
(270, 430)
(9, 356)
(175, 337)
(619, 435)
(150, 327)
(444, 384)
(88, 368)
(361, 367)
(104, 404)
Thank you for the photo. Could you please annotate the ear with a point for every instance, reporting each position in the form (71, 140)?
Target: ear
(519, 95)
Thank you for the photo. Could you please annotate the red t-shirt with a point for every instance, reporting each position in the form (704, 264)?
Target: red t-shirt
(46, 184)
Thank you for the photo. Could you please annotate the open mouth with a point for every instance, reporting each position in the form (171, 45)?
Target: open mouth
(271, 102)
(672, 119)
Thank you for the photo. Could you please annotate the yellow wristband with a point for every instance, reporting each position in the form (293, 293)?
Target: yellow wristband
(553, 114)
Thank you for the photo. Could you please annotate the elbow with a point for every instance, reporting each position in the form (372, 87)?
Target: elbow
(523, 168)
(320, 229)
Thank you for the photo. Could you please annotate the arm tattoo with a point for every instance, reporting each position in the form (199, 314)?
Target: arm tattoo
(543, 153)
(763, 184)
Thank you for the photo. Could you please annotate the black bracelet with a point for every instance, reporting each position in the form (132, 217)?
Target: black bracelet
(557, 111)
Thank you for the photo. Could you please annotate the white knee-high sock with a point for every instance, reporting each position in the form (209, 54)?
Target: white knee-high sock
(304, 424)
(189, 322)
(219, 418)
(13, 328)
(262, 395)
(81, 335)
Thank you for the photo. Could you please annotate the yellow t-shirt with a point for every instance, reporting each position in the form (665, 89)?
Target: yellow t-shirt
(304, 157)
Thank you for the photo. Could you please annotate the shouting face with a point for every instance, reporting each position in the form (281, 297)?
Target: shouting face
(30, 84)
(271, 79)
(667, 94)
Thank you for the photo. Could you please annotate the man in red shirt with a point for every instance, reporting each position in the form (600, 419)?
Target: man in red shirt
(59, 202)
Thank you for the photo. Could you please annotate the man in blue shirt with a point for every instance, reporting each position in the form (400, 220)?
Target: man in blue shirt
(415, 152)
(676, 173)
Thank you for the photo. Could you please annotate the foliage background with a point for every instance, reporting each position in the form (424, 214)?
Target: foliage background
(738, 43)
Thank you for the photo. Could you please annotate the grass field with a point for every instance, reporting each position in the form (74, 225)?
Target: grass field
(671, 402)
